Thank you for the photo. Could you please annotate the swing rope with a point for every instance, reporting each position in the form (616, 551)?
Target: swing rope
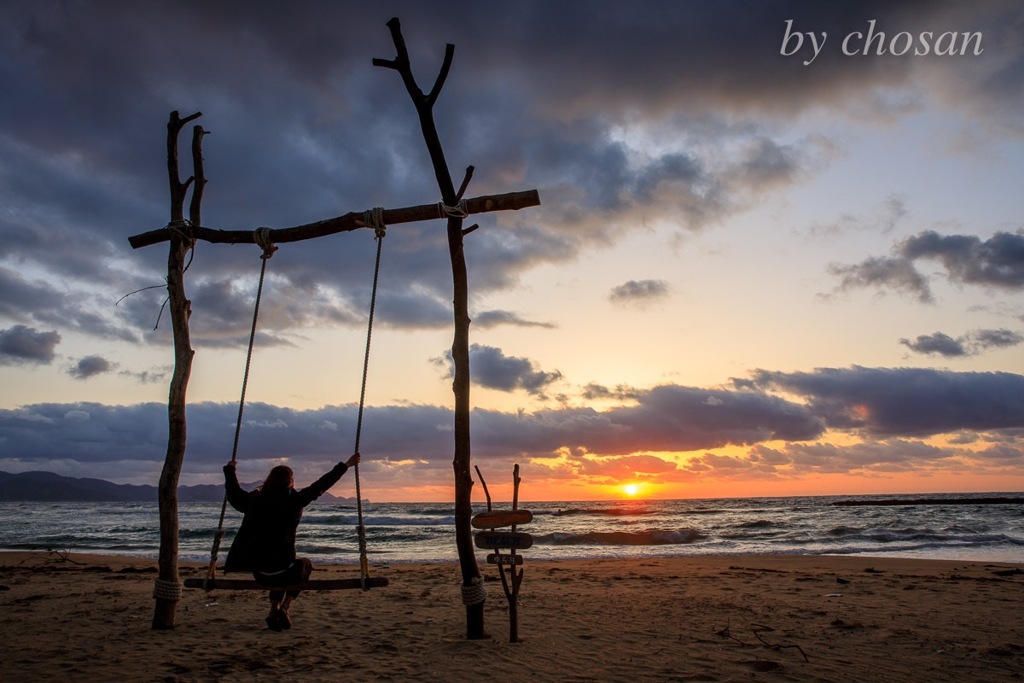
(262, 237)
(373, 218)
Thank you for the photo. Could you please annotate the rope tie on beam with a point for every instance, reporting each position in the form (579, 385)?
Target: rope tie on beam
(457, 211)
(475, 593)
(167, 590)
(374, 218)
(182, 229)
(261, 236)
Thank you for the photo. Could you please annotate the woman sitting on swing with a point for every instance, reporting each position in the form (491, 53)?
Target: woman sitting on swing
(265, 542)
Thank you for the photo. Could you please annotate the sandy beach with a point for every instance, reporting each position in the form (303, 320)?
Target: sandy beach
(781, 618)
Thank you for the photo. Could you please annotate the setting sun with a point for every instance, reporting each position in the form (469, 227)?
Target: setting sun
(631, 489)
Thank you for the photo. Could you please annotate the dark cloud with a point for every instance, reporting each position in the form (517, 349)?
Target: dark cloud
(797, 459)
(491, 368)
(870, 457)
(996, 262)
(685, 418)
(768, 163)
(488, 319)
(938, 343)
(986, 339)
(21, 344)
(304, 127)
(593, 392)
(905, 401)
(887, 406)
(639, 292)
(19, 297)
(969, 344)
(41, 302)
(884, 273)
(90, 366)
(147, 376)
(666, 418)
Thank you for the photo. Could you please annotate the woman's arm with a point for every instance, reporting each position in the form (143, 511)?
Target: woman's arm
(237, 496)
(320, 486)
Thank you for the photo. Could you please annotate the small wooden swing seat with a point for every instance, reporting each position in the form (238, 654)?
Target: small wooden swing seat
(310, 585)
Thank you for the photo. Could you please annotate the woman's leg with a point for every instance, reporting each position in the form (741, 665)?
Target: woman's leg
(302, 568)
(275, 618)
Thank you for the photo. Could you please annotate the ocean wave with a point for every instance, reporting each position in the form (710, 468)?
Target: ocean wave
(621, 538)
(377, 520)
(412, 521)
(757, 524)
(608, 512)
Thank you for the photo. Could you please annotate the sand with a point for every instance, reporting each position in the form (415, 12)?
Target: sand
(772, 618)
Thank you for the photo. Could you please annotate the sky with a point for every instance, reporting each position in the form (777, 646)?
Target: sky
(779, 251)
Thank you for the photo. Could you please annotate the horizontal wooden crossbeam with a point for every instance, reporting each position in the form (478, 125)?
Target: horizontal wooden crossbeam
(350, 221)
(311, 585)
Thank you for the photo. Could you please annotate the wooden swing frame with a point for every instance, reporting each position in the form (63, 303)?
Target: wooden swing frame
(181, 234)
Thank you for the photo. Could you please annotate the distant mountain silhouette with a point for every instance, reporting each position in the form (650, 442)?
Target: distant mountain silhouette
(50, 487)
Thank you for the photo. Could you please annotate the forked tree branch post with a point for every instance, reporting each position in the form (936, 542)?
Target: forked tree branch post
(167, 590)
(472, 582)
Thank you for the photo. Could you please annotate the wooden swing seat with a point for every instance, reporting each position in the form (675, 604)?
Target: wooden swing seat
(311, 585)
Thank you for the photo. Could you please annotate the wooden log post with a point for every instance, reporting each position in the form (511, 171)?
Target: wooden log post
(472, 583)
(167, 590)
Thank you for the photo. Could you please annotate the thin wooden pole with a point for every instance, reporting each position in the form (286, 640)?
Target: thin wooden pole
(471, 578)
(166, 592)
(516, 577)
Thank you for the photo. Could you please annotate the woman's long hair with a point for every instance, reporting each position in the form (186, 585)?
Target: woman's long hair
(278, 482)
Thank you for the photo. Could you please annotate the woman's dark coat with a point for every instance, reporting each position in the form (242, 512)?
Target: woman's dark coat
(266, 539)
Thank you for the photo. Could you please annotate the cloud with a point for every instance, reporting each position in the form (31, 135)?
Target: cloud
(938, 343)
(491, 368)
(1002, 338)
(90, 366)
(970, 344)
(40, 302)
(884, 402)
(872, 458)
(671, 417)
(883, 273)
(669, 114)
(881, 219)
(593, 392)
(408, 445)
(148, 376)
(612, 470)
(639, 292)
(801, 459)
(489, 319)
(20, 345)
(997, 262)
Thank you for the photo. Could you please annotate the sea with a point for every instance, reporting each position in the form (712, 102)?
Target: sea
(948, 526)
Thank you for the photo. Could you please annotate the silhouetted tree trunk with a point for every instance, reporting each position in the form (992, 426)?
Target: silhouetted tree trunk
(460, 345)
(167, 591)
